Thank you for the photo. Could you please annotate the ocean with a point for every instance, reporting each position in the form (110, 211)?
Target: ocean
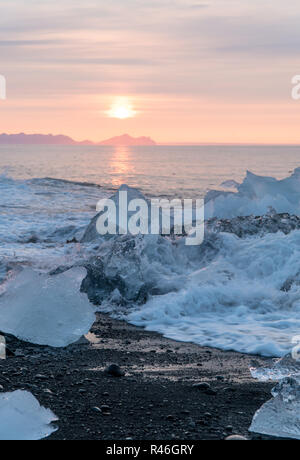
(227, 293)
(184, 171)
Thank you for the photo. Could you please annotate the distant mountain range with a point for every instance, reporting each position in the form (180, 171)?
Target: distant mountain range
(50, 139)
(125, 139)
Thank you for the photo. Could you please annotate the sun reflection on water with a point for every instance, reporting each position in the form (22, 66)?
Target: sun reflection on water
(121, 165)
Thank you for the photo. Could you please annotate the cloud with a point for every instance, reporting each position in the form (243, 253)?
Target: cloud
(21, 43)
(218, 49)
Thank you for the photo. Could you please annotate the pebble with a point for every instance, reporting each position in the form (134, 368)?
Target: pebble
(236, 437)
(104, 408)
(202, 386)
(114, 370)
(41, 377)
(230, 389)
(211, 392)
(192, 425)
(46, 390)
(97, 409)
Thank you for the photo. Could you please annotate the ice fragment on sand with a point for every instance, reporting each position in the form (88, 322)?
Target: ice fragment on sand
(22, 417)
(280, 417)
(46, 310)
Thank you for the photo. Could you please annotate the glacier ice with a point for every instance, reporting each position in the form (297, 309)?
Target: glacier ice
(46, 310)
(160, 213)
(230, 183)
(91, 233)
(278, 369)
(23, 419)
(280, 416)
(255, 196)
(246, 226)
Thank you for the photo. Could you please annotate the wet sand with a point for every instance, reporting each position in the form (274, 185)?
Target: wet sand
(157, 399)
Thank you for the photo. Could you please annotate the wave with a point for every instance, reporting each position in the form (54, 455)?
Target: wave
(239, 290)
(231, 293)
(54, 182)
(255, 196)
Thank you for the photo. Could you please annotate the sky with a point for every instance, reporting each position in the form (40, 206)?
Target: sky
(180, 71)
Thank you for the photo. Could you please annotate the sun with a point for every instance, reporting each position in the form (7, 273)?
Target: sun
(122, 110)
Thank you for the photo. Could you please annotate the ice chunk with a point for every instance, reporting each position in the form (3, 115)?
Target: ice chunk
(255, 195)
(91, 233)
(162, 213)
(23, 419)
(230, 184)
(46, 310)
(280, 417)
(130, 268)
(278, 369)
(247, 226)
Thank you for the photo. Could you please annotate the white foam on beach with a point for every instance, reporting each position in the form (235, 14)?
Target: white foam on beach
(46, 310)
(23, 419)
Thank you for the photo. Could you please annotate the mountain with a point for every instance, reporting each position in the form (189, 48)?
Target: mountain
(50, 139)
(36, 139)
(125, 139)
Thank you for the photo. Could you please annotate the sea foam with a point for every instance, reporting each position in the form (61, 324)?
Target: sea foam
(255, 195)
(239, 290)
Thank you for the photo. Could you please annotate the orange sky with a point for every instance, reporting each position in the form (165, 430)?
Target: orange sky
(191, 71)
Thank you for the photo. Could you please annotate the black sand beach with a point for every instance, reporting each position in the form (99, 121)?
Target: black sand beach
(157, 399)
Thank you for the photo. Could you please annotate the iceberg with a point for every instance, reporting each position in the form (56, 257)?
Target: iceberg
(255, 196)
(91, 234)
(46, 310)
(278, 369)
(280, 417)
(229, 184)
(23, 419)
(158, 216)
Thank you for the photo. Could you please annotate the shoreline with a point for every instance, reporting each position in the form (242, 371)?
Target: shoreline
(155, 400)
